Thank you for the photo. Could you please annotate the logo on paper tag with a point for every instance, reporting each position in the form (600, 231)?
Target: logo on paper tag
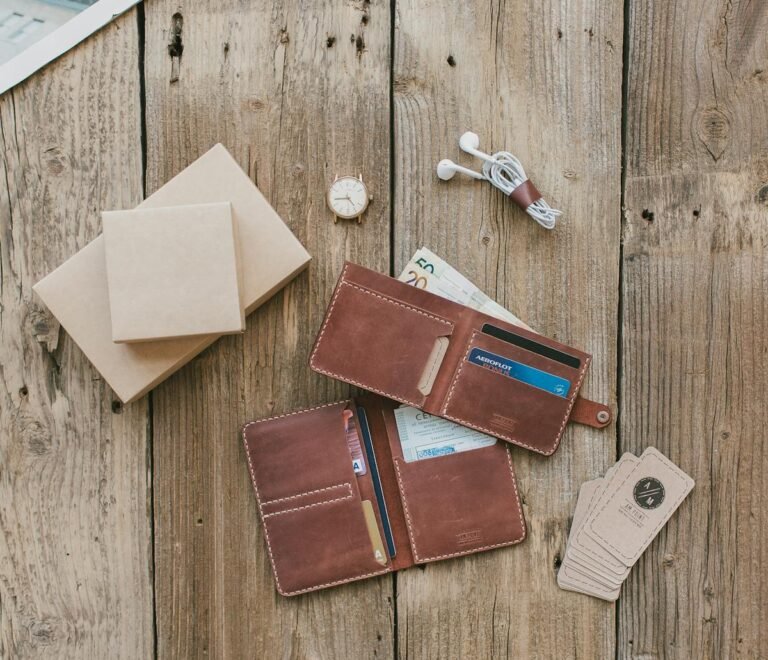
(649, 493)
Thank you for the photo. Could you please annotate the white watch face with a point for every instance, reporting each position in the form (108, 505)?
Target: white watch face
(348, 197)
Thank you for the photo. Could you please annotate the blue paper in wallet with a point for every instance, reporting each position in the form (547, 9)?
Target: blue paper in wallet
(522, 372)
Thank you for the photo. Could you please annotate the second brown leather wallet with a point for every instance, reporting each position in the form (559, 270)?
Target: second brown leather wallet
(412, 346)
(311, 500)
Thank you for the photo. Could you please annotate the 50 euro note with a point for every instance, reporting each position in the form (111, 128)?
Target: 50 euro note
(427, 271)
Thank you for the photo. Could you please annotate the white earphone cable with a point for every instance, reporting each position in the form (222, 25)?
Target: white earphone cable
(506, 172)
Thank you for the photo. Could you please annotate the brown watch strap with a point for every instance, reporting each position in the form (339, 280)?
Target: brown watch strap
(525, 194)
(590, 413)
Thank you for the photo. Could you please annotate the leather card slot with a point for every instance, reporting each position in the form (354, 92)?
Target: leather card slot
(507, 408)
(460, 503)
(538, 345)
(307, 499)
(313, 518)
(536, 390)
(279, 450)
(507, 350)
(377, 342)
(320, 546)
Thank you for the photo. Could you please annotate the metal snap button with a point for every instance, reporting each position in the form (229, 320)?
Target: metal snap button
(603, 416)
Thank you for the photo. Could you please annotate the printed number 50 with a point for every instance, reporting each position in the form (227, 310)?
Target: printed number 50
(421, 261)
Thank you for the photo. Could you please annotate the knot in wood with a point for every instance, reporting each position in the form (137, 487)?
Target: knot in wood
(714, 131)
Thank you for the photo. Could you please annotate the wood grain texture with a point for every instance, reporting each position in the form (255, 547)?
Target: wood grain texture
(544, 81)
(298, 92)
(74, 515)
(695, 377)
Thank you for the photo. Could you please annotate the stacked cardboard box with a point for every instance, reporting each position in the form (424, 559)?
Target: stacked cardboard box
(166, 280)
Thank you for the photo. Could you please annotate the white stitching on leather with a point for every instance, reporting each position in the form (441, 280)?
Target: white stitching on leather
(261, 511)
(471, 550)
(334, 583)
(399, 303)
(264, 523)
(517, 495)
(307, 506)
(497, 434)
(405, 509)
(295, 412)
(309, 492)
(389, 395)
(331, 307)
(327, 317)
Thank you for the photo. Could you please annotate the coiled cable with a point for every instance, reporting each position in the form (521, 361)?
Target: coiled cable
(505, 172)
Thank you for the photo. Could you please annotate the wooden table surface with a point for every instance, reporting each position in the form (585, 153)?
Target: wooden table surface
(131, 530)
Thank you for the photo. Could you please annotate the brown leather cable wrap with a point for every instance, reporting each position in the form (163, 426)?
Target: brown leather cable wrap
(525, 194)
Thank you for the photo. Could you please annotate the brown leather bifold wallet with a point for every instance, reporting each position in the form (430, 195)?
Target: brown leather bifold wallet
(452, 361)
(327, 522)
(337, 497)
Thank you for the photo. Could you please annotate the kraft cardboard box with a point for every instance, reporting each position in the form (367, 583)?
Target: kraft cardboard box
(77, 294)
(172, 272)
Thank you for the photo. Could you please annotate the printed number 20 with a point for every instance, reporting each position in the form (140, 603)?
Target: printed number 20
(418, 281)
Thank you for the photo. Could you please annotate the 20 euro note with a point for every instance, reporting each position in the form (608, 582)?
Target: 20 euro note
(427, 271)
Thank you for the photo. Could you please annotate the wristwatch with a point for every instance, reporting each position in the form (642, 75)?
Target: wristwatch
(348, 198)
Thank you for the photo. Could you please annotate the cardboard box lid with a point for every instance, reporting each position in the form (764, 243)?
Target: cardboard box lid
(172, 272)
(77, 294)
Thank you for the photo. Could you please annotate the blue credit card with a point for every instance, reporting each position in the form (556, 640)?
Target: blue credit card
(377, 489)
(522, 372)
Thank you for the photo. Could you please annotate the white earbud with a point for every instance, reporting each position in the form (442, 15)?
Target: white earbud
(447, 168)
(470, 143)
(502, 170)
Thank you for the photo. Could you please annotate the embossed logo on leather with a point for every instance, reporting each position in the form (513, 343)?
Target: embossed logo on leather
(506, 423)
(649, 493)
(471, 537)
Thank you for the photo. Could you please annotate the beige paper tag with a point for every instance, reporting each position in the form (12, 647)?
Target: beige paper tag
(639, 505)
(571, 579)
(587, 578)
(585, 563)
(583, 543)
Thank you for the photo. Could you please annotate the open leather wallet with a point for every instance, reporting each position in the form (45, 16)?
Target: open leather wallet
(417, 348)
(327, 522)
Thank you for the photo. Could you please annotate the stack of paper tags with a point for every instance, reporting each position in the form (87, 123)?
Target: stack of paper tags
(615, 520)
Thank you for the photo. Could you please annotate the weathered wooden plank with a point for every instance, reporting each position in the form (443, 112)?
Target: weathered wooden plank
(695, 357)
(544, 81)
(75, 548)
(298, 92)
